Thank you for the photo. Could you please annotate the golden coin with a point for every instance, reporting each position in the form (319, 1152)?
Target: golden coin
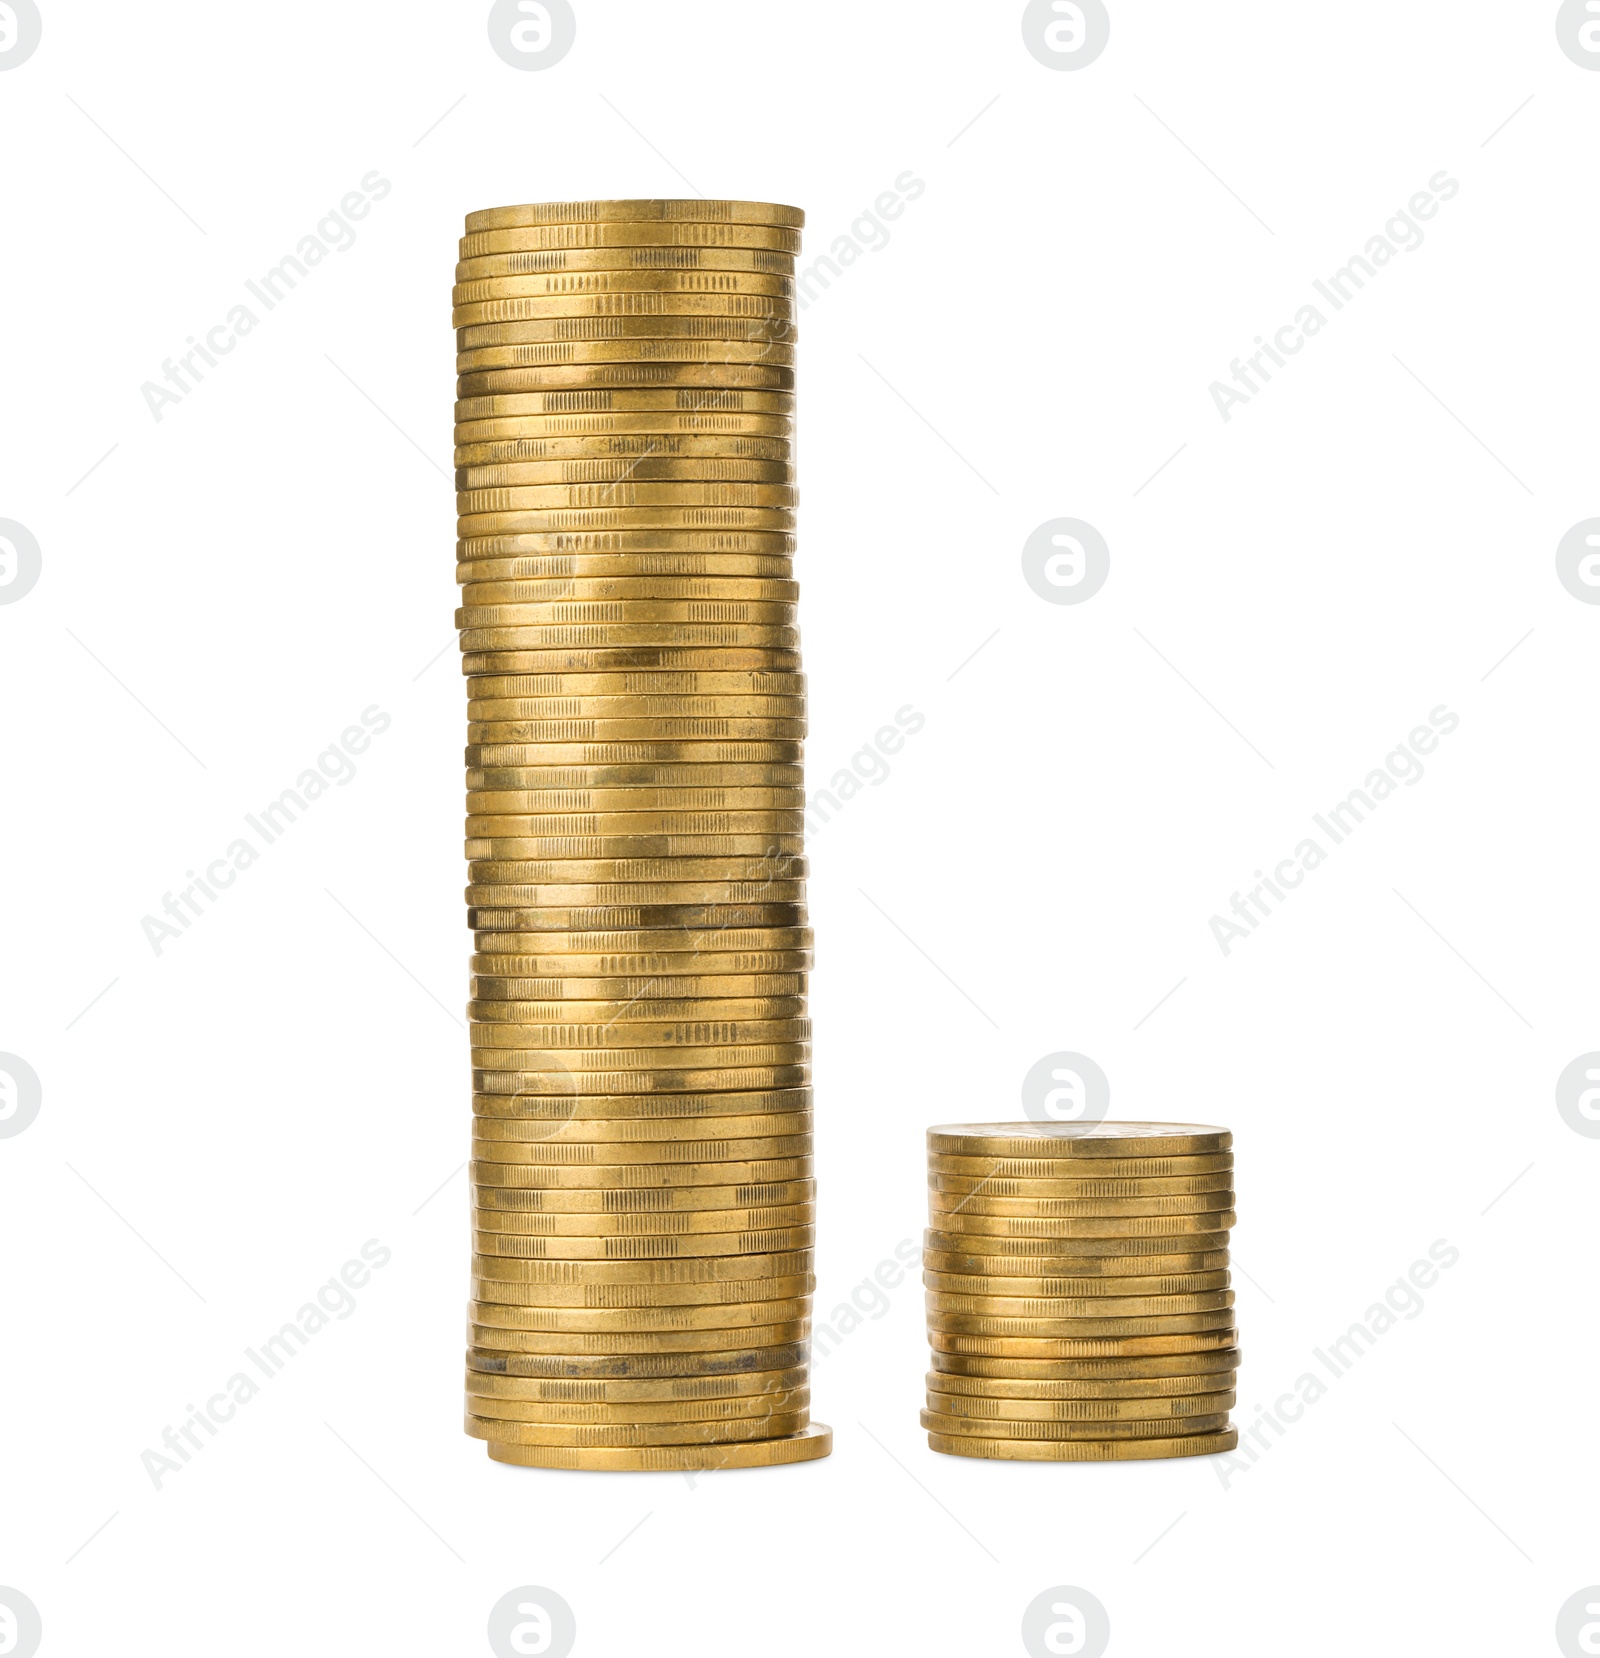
(637, 1008)
(751, 995)
(1054, 1256)
(676, 1222)
(651, 1321)
(981, 1170)
(518, 437)
(622, 1062)
(811, 1444)
(632, 350)
(638, 233)
(646, 859)
(745, 1412)
(607, 896)
(626, 259)
(958, 1283)
(684, 687)
(627, 567)
(653, 978)
(615, 1176)
(656, 210)
(1085, 1414)
(1070, 1432)
(592, 1155)
(471, 309)
(622, 285)
(502, 1275)
(496, 806)
(507, 1030)
(594, 637)
(652, 328)
(486, 385)
(491, 595)
(1077, 1329)
(607, 659)
(1124, 1226)
(645, 1247)
(1100, 1307)
(642, 701)
(1098, 1371)
(953, 1187)
(1077, 1347)
(714, 951)
(626, 1129)
(1101, 1139)
(671, 1391)
(618, 449)
(524, 1313)
(698, 401)
(675, 922)
(615, 1344)
(624, 494)
(656, 731)
(1138, 1393)
(655, 1203)
(641, 1367)
(620, 1434)
(1112, 1267)
(1112, 1450)
(950, 1205)
(661, 1082)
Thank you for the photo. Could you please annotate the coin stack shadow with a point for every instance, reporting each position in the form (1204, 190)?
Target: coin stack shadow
(1077, 1291)
(643, 1201)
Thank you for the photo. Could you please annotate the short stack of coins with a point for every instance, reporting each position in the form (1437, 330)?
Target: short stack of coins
(1078, 1301)
(643, 1201)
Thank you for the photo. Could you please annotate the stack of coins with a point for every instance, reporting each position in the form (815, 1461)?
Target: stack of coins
(643, 1200)
(1077, 1291)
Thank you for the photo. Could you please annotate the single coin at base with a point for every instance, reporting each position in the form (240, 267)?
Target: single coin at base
(810, 1445)
(1111, 1450)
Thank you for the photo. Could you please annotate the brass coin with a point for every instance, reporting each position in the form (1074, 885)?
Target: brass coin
(671, 1108)
(503, 1275)
(590, 1367)
(1111, 1267)
(697, 402)
(525, 1176)
(781, 899)
(1099, 1308)
(1087, 1370)
(618, 1343)
(652, 1321)
(695, 210)
(607, 659)
(622, 285)
(686, 1390)
(810, 1444)
(1076, 1329)
(948, 1206)
(720, 375)
(674, 1222)
(589, 1155)
(1115, 1450)
(1101, 1289)
(1079, 1347)
(493, 1205)
(1137, 1393)
(745, 1412)
(647, 859)
(657, 951)
(532, 1299)
(627, 567)
(984, 1169)
(736, 996)
(488, 1080)
(628, 1025)
(645, 259)
(1069, 1432)
(620, 1434)
(639, 233)
(1179, 1413)
(1072, 1140)
(1114, 1226)
(470, 307)
(643, 775)
(951, 1188)
(647, 1128)
(622, 1062)
(628, 330)
(488, 594)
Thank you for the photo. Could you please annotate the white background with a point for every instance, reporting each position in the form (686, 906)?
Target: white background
(1365, 541)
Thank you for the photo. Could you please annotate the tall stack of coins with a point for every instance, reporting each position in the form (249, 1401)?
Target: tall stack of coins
(1077, 1291)
(643, 1200)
